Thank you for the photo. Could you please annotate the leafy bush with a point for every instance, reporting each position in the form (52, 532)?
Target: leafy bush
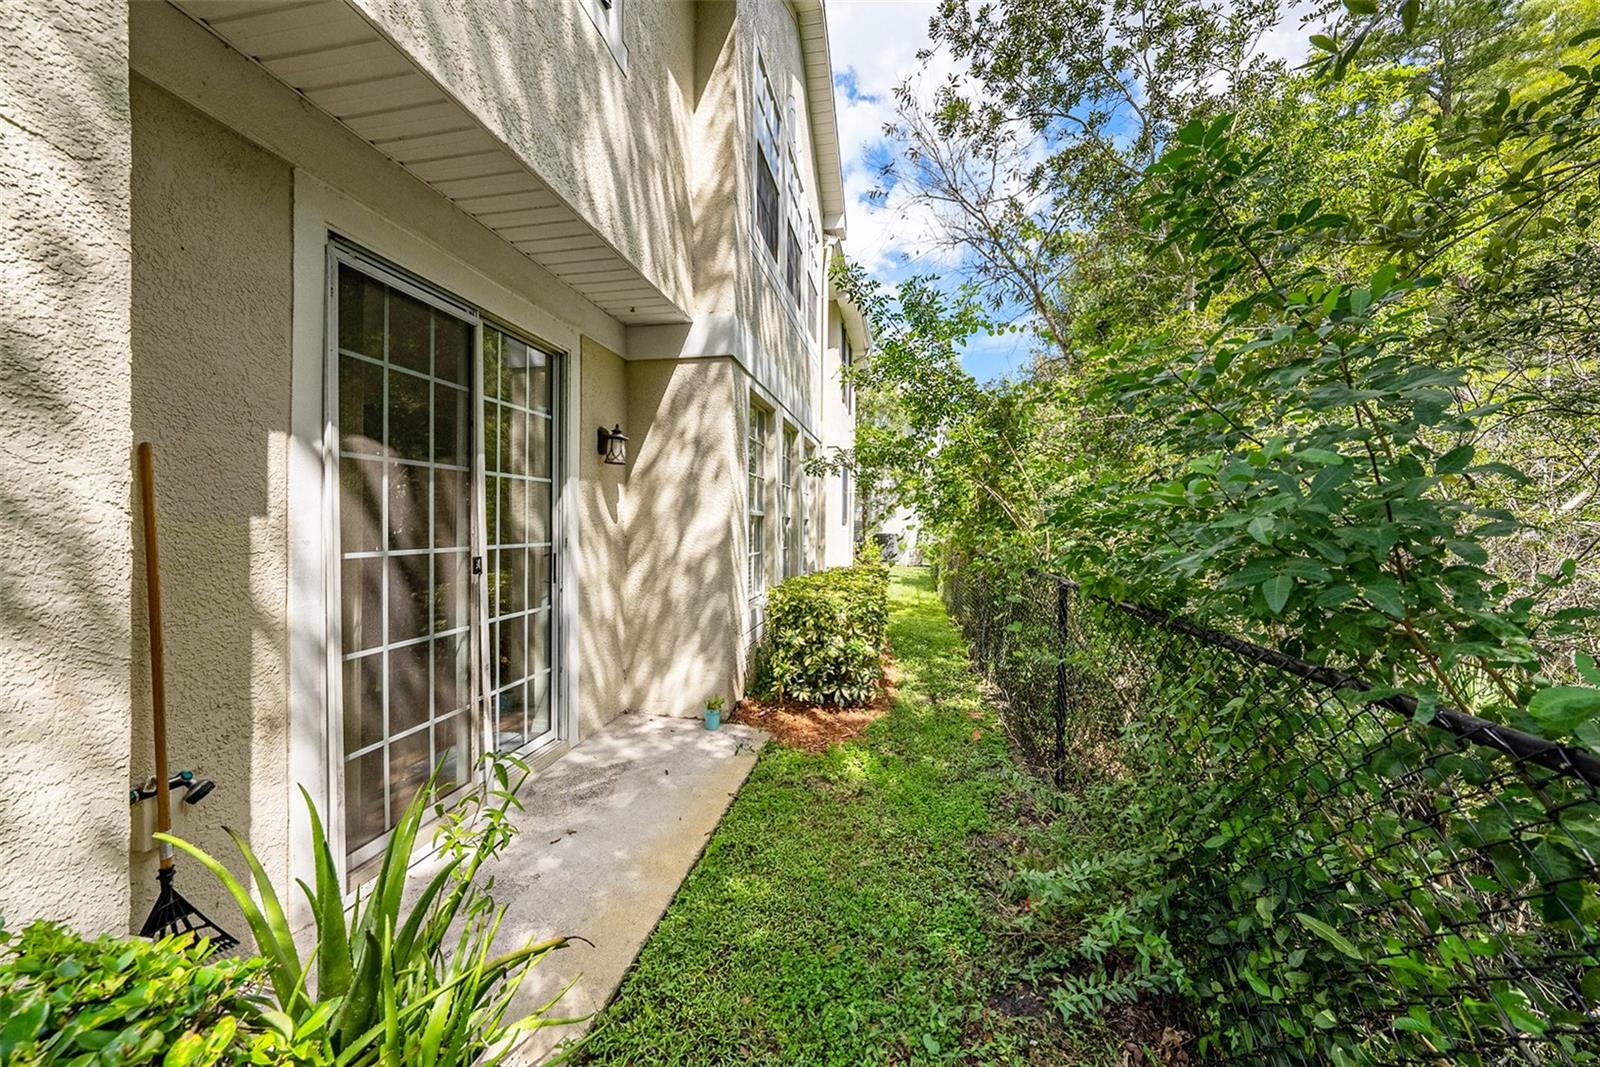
(68, 999)
(397, 981)
(825, 634)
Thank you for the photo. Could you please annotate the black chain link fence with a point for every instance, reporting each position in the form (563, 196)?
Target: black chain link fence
(1450, 863)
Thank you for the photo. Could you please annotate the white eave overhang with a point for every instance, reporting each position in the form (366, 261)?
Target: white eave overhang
(329, 53)
(813, 20)
(855, 323)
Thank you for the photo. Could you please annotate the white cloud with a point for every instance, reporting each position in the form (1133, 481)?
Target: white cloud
(874, 46)
(1290, 39)
(874, 43)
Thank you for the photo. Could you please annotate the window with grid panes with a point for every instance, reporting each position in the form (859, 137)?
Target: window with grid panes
(404, 461)
(408, 418)
(792, 497)
(846, 359)
(813, 265)
(518, 492)
(794, 255)
(769, 211)
(756, 550)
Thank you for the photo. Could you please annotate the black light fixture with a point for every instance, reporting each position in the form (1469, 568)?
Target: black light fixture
(613, 444)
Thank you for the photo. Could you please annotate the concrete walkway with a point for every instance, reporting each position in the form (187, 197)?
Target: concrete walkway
(609, 832)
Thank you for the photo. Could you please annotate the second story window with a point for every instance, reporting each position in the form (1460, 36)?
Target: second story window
(846, 358)
(812, 266)
(768, 139)
(795, 254)
(792, 258)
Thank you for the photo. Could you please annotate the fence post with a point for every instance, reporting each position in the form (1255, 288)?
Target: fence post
(1061, 684)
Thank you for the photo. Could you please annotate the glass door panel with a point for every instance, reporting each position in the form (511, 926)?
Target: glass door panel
(403, 400)
(518, 434)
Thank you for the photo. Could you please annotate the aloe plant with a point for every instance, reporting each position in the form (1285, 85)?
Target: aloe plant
(394, 983)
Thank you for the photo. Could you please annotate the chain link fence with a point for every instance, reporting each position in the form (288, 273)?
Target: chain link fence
(1427, 882)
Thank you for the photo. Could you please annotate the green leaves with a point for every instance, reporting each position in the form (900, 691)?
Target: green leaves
(70, 1000)
(1276, 590)
(396, 979)
(825, 633)
(1561, 709)
(1384, 594)
(1455, 460)
(1330, 935)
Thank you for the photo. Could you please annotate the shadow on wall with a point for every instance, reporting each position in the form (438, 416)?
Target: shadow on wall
(64, 472)
(684, 610)
(602, 547)
(621, 162)
(212, 263)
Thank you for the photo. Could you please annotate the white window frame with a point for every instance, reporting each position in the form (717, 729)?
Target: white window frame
(847, 392)
(813, 272)
(766, 152)
(321, 211)
(807, 553)
(342, 254)
(607, 18)
(780, 137)
(757, 440)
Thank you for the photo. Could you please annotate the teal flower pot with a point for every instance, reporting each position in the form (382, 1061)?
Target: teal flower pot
(713, 718)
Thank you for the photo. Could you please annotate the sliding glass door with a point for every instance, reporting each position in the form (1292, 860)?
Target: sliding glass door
(409, 693)
(518, 422)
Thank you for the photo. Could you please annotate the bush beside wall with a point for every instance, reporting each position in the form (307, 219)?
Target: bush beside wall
(67, 999)
(825, 635)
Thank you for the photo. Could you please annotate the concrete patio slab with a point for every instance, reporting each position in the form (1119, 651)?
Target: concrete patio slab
(609, 831)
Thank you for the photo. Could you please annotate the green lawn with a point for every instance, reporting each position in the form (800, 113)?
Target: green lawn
(845, 910)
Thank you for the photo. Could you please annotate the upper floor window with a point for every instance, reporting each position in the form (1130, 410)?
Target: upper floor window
(769, 136)
(783, 219)
(813, 268)
(846, 358)
(607, 18)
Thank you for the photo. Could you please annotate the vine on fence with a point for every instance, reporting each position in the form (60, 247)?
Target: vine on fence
(1320, 876)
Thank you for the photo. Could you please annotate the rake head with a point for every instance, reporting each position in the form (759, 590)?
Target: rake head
(173, 914)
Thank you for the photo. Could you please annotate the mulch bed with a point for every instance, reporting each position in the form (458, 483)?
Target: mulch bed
(817, 727)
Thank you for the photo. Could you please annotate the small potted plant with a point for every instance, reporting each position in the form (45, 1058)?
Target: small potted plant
(713, 712)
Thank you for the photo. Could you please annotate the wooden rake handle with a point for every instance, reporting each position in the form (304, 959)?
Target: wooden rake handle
(158, 667)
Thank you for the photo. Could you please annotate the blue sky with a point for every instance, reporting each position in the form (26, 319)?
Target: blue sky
(874, 45)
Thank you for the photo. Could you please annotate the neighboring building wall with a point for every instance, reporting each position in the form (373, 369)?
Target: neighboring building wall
(65, 463)
(838, 421)
(603, 499)
(541, 78)
(683, 602)
(212, 260)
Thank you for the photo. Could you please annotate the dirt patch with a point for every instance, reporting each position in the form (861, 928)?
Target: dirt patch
(817, 727)
(1149, 1039)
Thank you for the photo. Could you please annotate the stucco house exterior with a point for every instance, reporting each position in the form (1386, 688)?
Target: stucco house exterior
(377, 278)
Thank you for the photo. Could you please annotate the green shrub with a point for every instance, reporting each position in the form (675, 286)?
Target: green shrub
(400, 978)
(825, 634)
(70, 1000)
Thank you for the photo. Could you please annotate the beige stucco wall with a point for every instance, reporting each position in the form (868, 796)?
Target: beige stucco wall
(158, 305)
(717, 134)
(783, 350)
(540, 77)
(212, 260)
(602, 564)
(65, 462)
(684, 596)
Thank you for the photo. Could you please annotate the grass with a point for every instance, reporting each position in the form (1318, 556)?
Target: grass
(845, 911)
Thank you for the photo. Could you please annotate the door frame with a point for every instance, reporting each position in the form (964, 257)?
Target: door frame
(320, 214)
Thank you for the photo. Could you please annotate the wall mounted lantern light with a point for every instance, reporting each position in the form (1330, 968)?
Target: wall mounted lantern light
(613, 444)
